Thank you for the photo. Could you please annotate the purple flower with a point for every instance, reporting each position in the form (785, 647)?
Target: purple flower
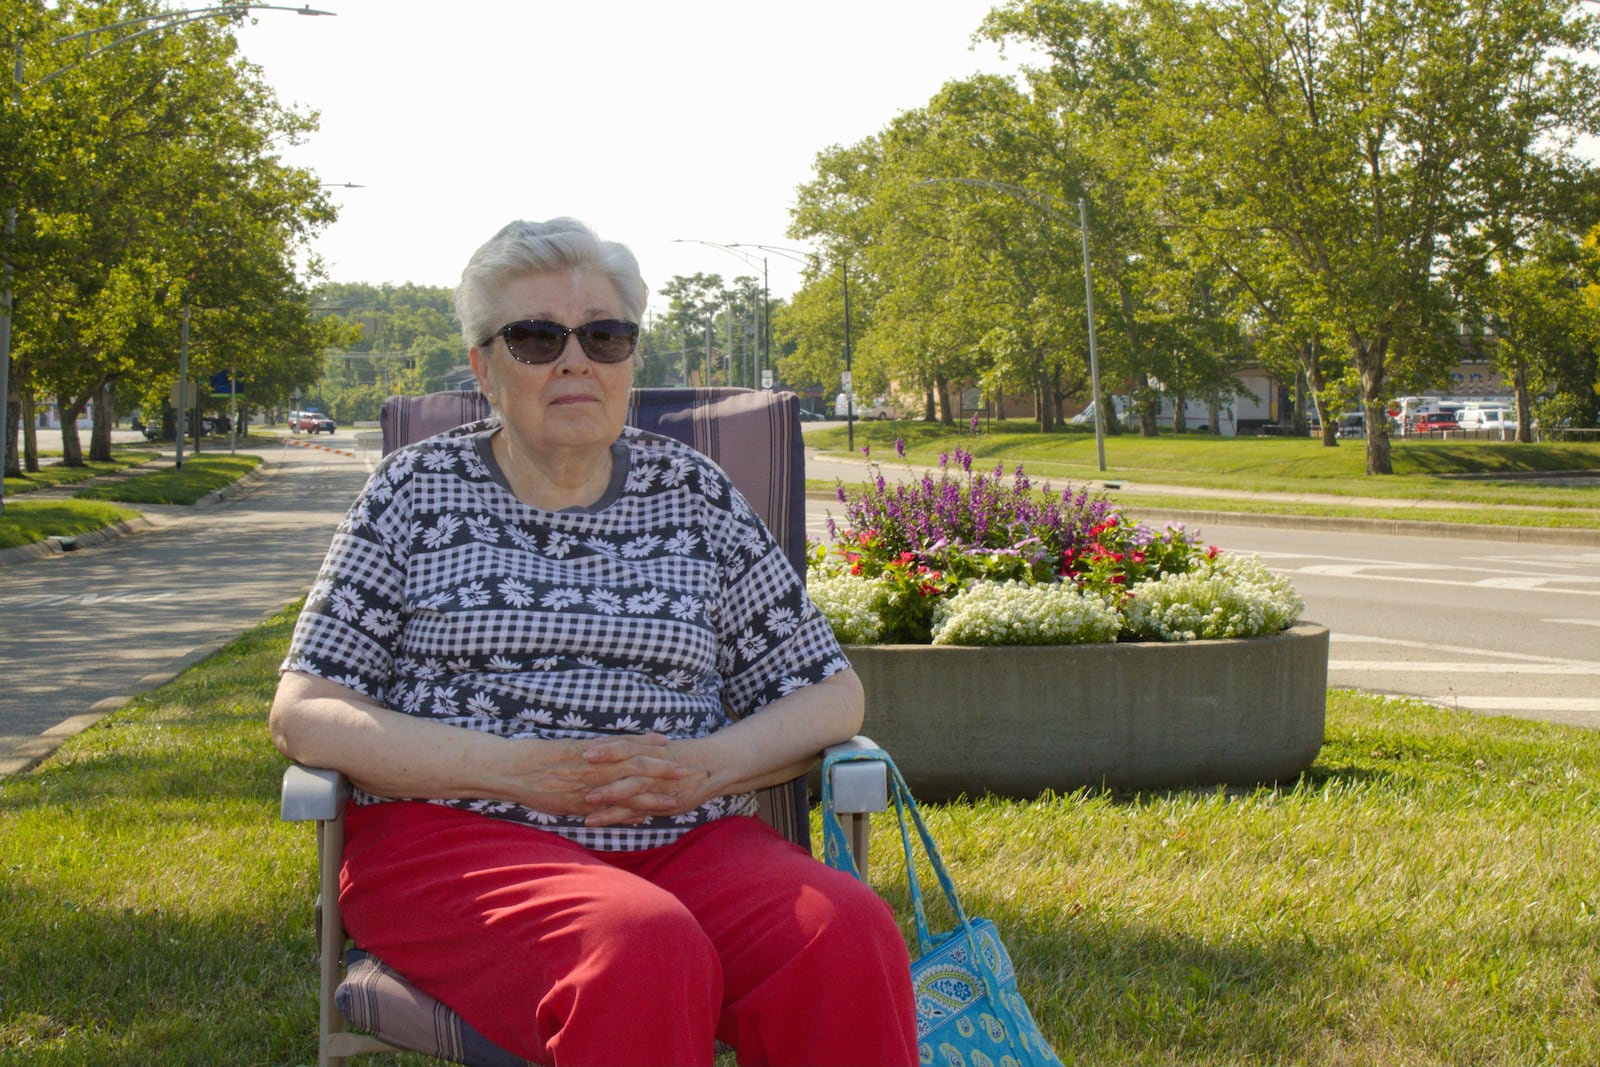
(900, 447)
(866, 450)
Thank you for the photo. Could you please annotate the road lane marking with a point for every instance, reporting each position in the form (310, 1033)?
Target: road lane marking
(1459, 650)
(1457, 667)
(1574, 622)
(1526, 704)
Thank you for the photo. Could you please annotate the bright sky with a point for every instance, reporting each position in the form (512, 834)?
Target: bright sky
(651, 120)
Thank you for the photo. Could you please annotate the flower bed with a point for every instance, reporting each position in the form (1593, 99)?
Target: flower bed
(983, 559)
(1012, 641)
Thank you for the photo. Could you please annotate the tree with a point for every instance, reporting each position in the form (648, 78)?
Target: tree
(1337, 153)
(177, 200)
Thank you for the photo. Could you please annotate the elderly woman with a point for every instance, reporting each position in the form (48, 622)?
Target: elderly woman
(555, 656)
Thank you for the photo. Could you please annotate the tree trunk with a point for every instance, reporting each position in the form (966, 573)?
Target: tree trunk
(100, 433)
(71, 446)
(1179, 423)
(30, 434)
(942, 384)
(13, 416)
(930, 412)
(1519, 382)
(1370, 365)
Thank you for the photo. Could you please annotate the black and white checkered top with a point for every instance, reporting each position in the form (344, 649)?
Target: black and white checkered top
(666, 606)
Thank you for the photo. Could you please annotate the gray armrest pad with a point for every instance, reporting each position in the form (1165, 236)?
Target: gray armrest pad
(858, 787)
(312, 793)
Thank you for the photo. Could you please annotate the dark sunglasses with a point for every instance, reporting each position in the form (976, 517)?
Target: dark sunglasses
(541, 341)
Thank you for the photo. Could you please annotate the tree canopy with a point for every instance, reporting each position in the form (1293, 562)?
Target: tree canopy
(1326, 187)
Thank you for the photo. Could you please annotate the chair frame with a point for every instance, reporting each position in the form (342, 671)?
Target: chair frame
(320, 795)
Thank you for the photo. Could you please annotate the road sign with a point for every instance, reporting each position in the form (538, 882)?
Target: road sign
(186, 395)
(766, 379)
(844, 381)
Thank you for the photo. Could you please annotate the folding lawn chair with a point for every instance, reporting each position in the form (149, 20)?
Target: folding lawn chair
(755, 437)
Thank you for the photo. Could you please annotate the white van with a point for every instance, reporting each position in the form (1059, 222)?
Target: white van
(881, 408)
(1473, 416)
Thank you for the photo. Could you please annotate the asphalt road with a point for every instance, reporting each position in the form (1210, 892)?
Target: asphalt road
(85, 630)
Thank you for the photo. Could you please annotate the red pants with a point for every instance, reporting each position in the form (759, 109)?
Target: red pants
(568, 956)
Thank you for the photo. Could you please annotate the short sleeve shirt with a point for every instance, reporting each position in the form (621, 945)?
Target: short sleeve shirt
(667, 606)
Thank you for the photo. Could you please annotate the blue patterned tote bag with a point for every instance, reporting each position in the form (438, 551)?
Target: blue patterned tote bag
(969, 1013)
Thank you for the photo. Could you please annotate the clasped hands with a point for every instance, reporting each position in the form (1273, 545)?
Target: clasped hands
(620, 780)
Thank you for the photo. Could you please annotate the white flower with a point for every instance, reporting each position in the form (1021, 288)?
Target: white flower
(380, 622)
(517, 593)
(560, 599)
(1236, 597)
(647, 603)
(640, 477)
(523, 539)
(782, 621)
(851, 605)
(482, 529)
(473, 596)
(682, 543)
(1019, 613)
(573, 721)
(444, 529)
(686, 608)
(438, 460)
(558, 545)
(640, 547)
(751, 644)
(345, 603)
(605, 601)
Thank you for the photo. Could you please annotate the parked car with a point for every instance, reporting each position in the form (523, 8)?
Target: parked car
(310, 422)
(1436, 421)
(881, 408)
(1351, 424)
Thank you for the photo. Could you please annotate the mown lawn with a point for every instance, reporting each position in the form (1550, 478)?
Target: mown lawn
(1424, 894)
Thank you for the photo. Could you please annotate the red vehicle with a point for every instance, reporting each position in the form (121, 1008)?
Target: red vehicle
(310, 422)
(1432, 421)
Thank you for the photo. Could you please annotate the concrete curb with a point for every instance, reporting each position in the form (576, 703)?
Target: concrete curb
(34, 752)
(56, 546)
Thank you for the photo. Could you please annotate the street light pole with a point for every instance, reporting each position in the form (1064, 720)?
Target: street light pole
(1051, 206)
(800, 256)
(766, 294)
(164, 20)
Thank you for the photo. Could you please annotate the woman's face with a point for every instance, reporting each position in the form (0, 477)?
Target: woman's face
(572, 403)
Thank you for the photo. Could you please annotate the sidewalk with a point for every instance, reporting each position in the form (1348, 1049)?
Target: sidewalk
(88, 629)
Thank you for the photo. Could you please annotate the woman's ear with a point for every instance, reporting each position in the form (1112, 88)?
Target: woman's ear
(480, 370)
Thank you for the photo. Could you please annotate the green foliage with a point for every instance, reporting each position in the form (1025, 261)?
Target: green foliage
(177, 199)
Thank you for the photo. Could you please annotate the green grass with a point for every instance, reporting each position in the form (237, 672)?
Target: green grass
(1424, 894)
(28, 521)
(1444, 473)
(54, 473)
(199, 476)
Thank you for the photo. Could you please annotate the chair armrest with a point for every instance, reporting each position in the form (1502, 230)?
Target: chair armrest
(858, 787)
(312, 793)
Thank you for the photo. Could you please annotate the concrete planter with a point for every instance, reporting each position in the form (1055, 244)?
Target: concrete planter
(1019, 721)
